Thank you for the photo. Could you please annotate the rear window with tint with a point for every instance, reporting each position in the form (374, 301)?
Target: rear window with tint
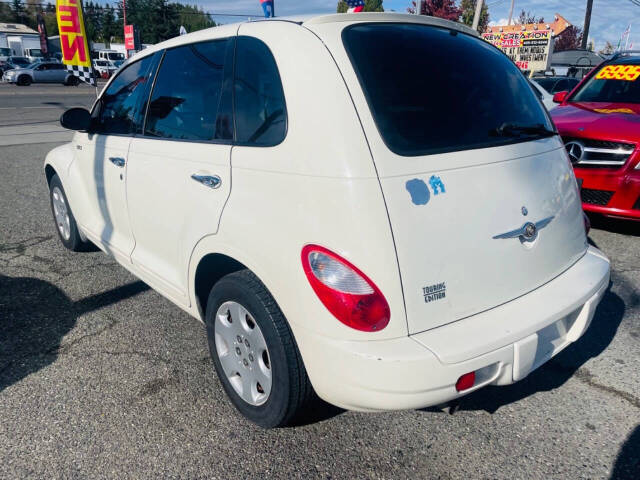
(432, 90)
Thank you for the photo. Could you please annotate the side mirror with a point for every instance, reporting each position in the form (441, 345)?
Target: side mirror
(560, 96)
(76, 119)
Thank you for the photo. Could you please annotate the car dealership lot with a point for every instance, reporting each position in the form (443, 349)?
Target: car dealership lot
(101, 376)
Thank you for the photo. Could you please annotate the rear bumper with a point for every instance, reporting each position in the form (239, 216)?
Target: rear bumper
(502, 345)
(611, 193)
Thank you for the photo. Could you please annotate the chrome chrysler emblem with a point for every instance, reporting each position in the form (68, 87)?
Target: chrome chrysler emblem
(575, 150)
(528, 231)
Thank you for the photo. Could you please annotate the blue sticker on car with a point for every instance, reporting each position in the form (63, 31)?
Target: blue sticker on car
(419, 191)
(436, 184)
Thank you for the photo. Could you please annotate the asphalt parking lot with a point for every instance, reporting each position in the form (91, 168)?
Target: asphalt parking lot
(101, 377)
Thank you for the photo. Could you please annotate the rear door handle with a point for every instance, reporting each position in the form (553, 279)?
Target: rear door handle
(211, 181)
(117, 161)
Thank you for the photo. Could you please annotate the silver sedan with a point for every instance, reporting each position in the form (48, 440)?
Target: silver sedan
(40, 72)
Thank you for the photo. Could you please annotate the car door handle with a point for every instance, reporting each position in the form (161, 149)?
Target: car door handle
(211, 181)
(117, 161)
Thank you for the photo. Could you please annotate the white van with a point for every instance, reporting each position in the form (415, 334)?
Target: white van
(117, 58)
(347, 202)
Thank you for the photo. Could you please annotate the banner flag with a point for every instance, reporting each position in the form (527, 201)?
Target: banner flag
(355, 6)
(73, 40)
(267, 8)
(42, 30)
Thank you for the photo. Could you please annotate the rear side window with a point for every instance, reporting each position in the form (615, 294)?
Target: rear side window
(117, 111)
(261, 115)
(187, 101)
(433, 90)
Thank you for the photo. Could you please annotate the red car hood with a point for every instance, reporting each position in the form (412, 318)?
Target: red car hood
(613, 121)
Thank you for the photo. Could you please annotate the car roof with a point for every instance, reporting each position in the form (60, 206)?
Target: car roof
(303, 21)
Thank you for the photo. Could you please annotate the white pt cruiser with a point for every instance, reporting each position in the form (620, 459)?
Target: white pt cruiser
(374, 207)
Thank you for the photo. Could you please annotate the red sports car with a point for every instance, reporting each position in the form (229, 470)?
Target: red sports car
(600, 124)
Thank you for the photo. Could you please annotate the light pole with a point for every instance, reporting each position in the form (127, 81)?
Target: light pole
(587, 24)
(511, 12)
(476, 16)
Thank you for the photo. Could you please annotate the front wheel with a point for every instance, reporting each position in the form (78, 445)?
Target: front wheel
(254, 352)
(65, 222)
(24, 80)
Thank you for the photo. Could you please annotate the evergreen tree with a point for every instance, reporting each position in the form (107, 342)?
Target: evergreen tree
(17, 9)
(6, 14)
(111, 27)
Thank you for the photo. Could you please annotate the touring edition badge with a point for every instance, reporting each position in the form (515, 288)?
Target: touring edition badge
(434, 292)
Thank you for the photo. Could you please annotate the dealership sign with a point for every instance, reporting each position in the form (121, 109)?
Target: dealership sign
(129, 43)
(530, 50)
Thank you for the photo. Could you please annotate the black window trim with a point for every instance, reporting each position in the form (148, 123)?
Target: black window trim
(104, 91)
(439, 151)
(188, 140)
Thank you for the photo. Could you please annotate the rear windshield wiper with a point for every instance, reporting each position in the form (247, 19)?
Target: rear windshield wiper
(515, 130)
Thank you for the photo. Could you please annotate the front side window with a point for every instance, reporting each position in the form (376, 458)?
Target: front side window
(613, 83)
(188, 101)
(117, 111)
(434, 90)
(261, 116)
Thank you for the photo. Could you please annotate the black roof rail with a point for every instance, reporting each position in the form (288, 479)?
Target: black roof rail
(617, 55)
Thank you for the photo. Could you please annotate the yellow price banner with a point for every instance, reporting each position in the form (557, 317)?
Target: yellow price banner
(629, 73)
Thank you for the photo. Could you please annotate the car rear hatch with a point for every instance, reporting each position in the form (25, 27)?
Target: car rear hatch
(481, 199)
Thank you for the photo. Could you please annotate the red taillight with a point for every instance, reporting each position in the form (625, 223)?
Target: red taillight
(466, 381)
(346, 292)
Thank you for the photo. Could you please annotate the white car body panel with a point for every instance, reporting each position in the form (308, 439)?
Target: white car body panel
(334, 183)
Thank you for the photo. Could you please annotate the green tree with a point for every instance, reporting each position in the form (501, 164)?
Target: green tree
(193, 18)
(468, 12)
(6, 14)
(111, 27)
(369, 6)
(17, 9)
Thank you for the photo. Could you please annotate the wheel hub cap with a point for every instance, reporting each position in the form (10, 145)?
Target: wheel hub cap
(61, 213)
(243, 353)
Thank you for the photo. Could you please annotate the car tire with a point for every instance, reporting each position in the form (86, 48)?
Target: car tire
(64, 220)
(72, 81)
(290, 390)
(24, 80)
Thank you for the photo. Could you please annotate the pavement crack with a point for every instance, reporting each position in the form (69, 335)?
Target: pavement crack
(129, 353)
(63, 349)
(21, 246)
(589, 378)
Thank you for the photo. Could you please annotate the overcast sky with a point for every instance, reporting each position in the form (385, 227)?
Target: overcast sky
(610, 17)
